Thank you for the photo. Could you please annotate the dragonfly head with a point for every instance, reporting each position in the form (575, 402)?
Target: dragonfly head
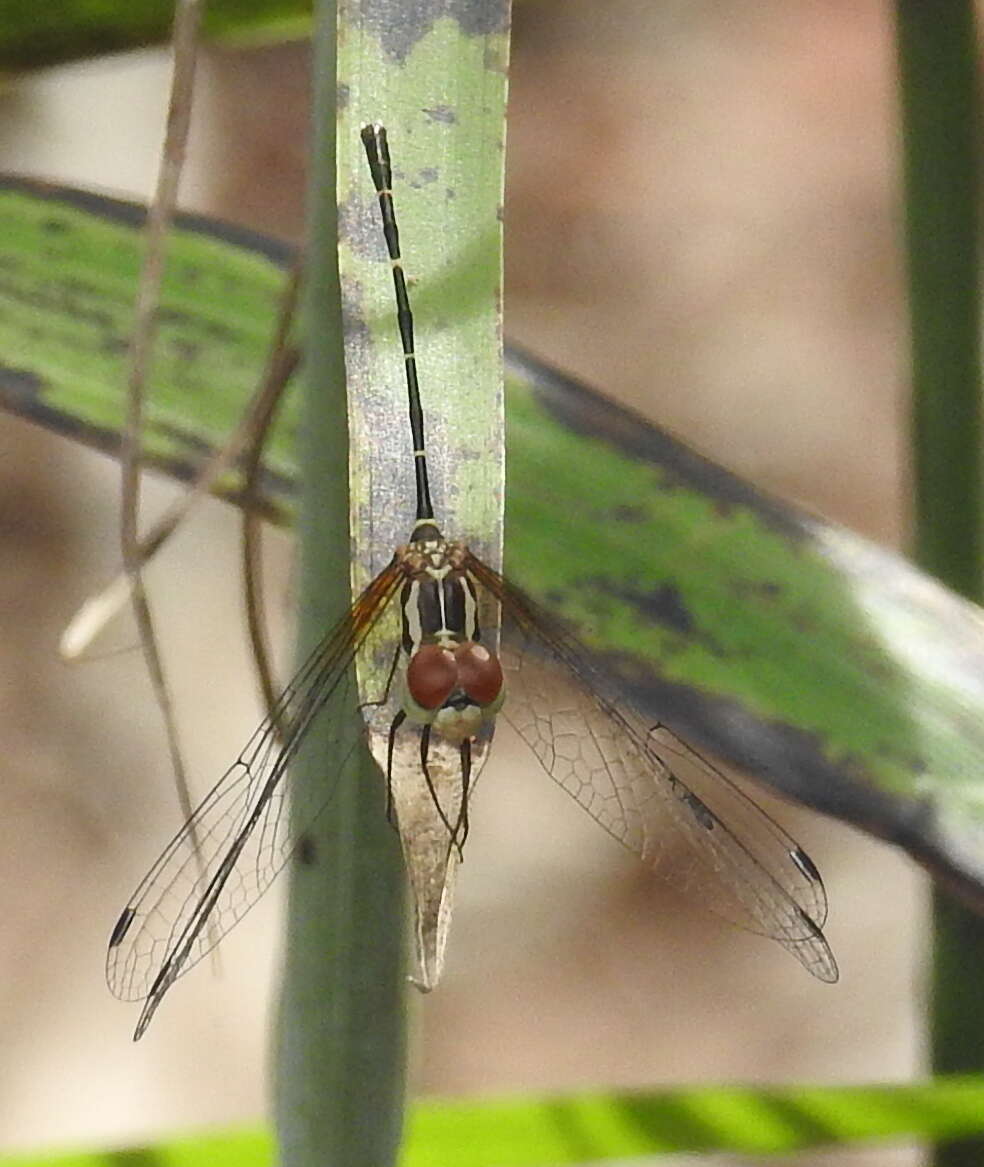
(453, 688)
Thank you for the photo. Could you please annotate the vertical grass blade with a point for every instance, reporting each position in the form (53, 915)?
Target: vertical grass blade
(339, 1093)
(938, 52)
(438, 84)
(436, 81)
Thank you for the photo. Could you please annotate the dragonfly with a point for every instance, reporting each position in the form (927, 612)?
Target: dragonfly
(450, 679)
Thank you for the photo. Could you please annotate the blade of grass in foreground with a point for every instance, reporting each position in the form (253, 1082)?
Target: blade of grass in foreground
(938, 54)
(558, 1131)
(439, 87)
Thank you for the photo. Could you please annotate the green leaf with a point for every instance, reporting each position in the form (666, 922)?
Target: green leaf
(548, 1132)
(64, 336)
(598, 1128)
(65, 30)
(829, 667)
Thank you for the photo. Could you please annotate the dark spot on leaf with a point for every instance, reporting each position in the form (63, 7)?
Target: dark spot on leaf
(199, 324)
(555, 598)
(24, 384)
(399, 26)
(357, 331)
(628, 514)
(755, 589)
(184, 349)
(194, 448)
(663, 604)
(442, 113)
(114, 345)
(901, 754)
(307, 850)
(360, 226)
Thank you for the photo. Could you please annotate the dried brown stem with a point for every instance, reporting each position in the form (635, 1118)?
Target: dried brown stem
(282, 361)
(187, 20)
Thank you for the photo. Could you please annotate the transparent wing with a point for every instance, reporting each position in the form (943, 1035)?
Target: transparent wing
(652, 792)
(237, 840)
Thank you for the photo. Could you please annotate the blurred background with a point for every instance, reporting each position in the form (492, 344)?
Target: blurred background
(703, 221)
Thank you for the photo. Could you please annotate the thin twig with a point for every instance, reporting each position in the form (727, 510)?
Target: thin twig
(282, 361)
(187, 20)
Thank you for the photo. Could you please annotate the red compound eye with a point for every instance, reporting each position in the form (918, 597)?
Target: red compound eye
(431, 675)
(479, 672)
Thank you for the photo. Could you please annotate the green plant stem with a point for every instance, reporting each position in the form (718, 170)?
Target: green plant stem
(938, 48)
(341, 1042)
(940, 97)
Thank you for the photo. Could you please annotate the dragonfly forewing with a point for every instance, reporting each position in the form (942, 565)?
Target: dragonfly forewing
(650, 791)
(242, 833)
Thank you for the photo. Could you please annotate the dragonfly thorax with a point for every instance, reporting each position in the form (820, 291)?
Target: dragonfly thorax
(438, 600)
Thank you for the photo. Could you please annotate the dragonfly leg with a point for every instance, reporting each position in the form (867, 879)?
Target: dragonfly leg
(425, 737)
(394, 726)
(461, 827)
(389, 684)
